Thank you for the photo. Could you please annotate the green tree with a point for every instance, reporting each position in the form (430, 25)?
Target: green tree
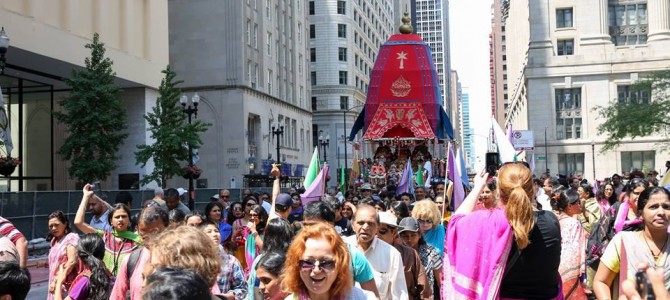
(170, 129)
(644, 112)
(94, 116)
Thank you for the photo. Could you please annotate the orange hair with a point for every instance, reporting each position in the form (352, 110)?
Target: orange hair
(291, 281)
(515, 187)
(427, 209)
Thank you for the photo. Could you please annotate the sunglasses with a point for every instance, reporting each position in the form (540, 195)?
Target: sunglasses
(429, 221)
(224, 196)
(383, 231)
(237, 209)
(253, 215)
(326, 265)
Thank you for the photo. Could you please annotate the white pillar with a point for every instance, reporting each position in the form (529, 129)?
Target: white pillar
(659, 21)
(597, 31)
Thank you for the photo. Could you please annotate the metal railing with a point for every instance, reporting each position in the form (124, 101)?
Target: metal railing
(28, 211)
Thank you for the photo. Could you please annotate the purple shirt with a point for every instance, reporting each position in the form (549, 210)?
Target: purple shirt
(79, 290)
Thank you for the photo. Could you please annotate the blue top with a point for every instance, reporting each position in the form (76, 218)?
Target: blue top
(102, 223)
(435, 237)
(226, 230)
(360, 267)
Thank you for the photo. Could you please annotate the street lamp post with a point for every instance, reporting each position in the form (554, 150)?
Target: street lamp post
(4, 45)
(593, 158)
(546, 156)
(324, 142)
(278, 132)
(191, 111)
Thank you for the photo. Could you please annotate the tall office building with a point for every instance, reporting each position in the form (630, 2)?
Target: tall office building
(455, 93)
(468, 147)
(565, 59)
(344, 38)
(498, 60)
(248, 62)
(430, 19)
(47, 40)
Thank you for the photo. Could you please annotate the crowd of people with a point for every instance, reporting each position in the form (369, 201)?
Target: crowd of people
(514, 236)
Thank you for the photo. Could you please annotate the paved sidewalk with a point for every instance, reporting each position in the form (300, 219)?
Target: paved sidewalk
(39, 270)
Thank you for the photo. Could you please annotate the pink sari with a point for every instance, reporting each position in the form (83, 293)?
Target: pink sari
(476, 251)
(476, 255)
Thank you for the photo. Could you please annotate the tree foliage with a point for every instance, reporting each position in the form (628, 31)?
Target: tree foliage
(637, 117)
(94, 116)
(170, 129)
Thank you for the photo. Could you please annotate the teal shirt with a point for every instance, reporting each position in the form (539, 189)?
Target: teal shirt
(360, 267)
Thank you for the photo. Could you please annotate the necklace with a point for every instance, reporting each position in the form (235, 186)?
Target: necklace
(660, 251)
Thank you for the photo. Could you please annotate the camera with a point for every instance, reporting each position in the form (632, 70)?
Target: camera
(643, 286)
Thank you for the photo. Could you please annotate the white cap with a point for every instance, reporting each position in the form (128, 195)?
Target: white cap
(388, 218)
(181, 191)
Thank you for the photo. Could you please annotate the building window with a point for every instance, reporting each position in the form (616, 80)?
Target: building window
(269, 43)
(248, 32)
(299, 32)
(341, 30)
(640, 160)
(256, 36)
(267, 9)
(313, 77)
(311, 8)
(312, 54)
(565, 47)
(341, 7)
(314, 101)
(312, 31)
(343, 77)
(570, 163)
(564, 18)
(342, 53)
(300, 64)
(628, 22)
(269, 81)
(568, 113)
(628, 93)
(344, 102)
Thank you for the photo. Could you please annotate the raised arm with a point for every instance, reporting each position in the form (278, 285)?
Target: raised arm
(81, 212)
(470, 201)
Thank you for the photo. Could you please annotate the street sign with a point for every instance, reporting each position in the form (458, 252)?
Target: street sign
(541, 158)
(523, 140)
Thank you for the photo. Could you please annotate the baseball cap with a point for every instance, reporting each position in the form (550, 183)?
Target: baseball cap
(408, 224)
(214, 197)
(388, 218)
(181, 191)
(366, 186)
(283, 201)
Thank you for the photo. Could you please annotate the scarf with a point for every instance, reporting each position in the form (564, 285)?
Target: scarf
(482, 238)
(127, 235)
(638, 252)
(620, 222)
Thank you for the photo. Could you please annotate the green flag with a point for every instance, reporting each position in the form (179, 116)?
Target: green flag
(419, 176)
(343, 187)
(313, 169)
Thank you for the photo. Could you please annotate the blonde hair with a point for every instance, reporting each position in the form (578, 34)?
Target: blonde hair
(290, 278)
(515, 188)
(187, 247)
(427, 210)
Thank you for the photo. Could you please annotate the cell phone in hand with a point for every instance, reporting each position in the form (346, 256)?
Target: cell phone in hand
(95, 187)
(643, 285)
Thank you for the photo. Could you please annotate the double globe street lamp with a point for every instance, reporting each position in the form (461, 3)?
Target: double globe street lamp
(191, 111)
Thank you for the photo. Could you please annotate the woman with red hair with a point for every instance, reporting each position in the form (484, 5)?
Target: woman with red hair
(317, 266)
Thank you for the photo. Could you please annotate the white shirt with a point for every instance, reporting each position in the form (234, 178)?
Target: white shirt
(387, 267)
(427, 166)
(543, 199)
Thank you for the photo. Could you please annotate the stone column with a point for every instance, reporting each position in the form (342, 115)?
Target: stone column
(598, 27)
(658, 12)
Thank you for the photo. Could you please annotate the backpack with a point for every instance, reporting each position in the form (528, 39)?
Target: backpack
(601, 234)
(133, 258)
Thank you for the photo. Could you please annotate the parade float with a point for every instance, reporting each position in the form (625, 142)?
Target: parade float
(403, 119)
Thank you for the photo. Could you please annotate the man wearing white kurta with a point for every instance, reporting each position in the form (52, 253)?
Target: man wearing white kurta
(385, 260)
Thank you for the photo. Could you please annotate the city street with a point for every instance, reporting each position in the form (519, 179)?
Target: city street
(38, 291)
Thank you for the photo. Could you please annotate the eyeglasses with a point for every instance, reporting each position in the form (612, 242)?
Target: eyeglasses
(637, 181)
(326, 265)
(429, 221)
(383, 231)
(237, 208)
(253, 215)
(221, 196)
(250, 204)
